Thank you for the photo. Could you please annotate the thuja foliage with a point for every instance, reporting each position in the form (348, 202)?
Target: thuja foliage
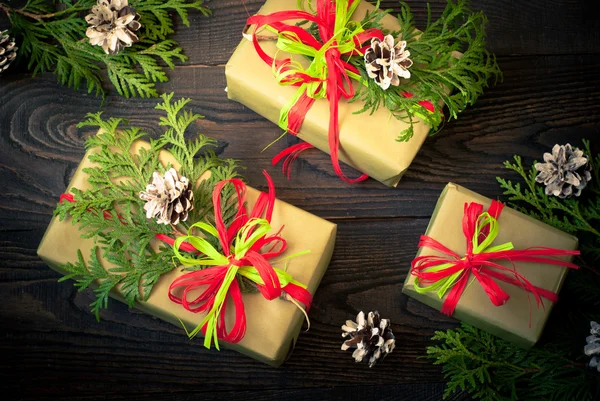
(556, 369)
(52, 37)
(112, 213)
(575, 215)
(438, 76)
(492, 369)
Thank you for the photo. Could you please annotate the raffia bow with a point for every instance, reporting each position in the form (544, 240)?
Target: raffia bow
(246, 251)
(449, 273)
(328, 75)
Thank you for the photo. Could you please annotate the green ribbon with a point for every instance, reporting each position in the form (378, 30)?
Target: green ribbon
(289, 42)
(443, 285)
(246, 238)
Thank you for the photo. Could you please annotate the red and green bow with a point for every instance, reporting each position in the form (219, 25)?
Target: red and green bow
(246, 250)
(449, 273)
(328, 75)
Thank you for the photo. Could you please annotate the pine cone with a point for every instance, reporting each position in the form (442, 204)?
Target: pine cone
(373, 338)
(593, 346)
(113, 24)
(169, 198)
(386, 63)
(8, 51)
(566, 168)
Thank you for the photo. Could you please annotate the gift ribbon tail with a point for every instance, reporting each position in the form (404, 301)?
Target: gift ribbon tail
(290, 155)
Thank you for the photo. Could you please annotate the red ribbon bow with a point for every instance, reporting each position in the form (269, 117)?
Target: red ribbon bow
(432, 270)
(211, 279)
(338, 82)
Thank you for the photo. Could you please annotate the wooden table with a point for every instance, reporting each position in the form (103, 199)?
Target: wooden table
(52, 346)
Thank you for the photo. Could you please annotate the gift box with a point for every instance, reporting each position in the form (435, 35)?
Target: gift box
(272, 326)
(518, 318)
(367, 141)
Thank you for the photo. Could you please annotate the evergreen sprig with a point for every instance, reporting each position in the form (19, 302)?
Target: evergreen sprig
(112, 213)
(437, 75)
(556, 369)
(53, 39)
(578, 216)
(492, 369)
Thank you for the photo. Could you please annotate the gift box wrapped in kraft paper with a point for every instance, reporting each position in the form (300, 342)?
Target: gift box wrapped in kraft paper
(490, 266)
(272, 326)
(367, 141)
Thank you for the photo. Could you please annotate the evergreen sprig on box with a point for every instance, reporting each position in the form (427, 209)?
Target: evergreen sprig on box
(112, 212)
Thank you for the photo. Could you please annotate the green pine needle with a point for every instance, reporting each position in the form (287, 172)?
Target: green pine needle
(491, 369)
(54, 40)
(112, 213)
(436, 75)
(576, 215)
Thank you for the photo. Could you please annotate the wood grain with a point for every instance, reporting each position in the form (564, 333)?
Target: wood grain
(543, 99)
(52, 347)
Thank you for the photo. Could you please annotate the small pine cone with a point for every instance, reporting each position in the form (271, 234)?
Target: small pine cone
(8, 51)
(566, 171)
(593, 346)
(113, 24)
(372, 338)
(386, 63)
(168, 198)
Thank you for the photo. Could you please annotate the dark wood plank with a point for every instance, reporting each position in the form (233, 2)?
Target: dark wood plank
(51, 342)
(407, 392)
(543, 100)
(538, 27)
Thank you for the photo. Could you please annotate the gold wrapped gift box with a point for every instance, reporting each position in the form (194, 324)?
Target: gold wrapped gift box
(367, 141)
(272, 326)
(519, 320)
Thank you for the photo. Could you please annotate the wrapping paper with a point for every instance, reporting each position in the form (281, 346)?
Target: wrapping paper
(272, 326)
(367, 141)
(510, 321)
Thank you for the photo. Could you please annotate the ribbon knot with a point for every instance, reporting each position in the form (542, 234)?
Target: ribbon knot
(448, 273)
(469, 260)
(245, 253)
(234, 262)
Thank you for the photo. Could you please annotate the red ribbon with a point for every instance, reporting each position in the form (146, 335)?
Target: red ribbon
(338, 82)
(210, 279)
(483, 265)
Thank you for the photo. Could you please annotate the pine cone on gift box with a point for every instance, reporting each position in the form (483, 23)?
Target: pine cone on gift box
(8, 51)
(113, 24)
(386, 63)
(593, 345)
(566, 171)
(168, 198)
(372, 338)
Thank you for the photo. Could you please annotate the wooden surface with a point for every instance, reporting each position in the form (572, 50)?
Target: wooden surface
(51, 345)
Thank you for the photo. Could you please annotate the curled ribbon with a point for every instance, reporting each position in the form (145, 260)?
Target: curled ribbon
(449, 273)
(246, 251)
(328, 75)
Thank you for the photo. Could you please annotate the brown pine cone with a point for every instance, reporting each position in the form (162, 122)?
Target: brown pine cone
(566, 171)
(372, 338)
(592, 349)
(386, 63)
(168, 198)
(8, 51)
(113, 24)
